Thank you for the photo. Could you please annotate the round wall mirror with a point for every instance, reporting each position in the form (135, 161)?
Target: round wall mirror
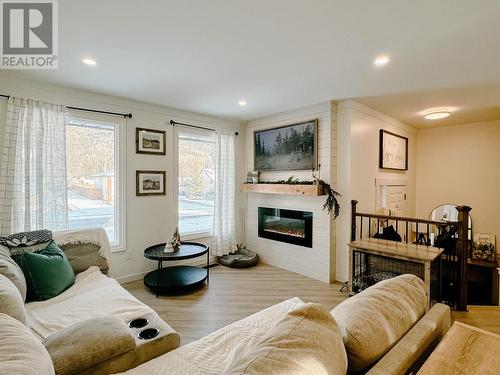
(448, 212)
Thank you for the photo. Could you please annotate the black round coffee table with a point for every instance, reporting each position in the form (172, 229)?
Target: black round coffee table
(176, 279)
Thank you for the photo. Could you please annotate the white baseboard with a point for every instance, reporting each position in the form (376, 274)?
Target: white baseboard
(133, 277)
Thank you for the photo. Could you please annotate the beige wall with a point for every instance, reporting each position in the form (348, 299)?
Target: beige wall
(318, 262)
(358, 167)
(149, 220)
(460, 164)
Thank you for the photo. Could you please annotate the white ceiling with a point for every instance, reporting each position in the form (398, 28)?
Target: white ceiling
(467, 104)
(204, 56)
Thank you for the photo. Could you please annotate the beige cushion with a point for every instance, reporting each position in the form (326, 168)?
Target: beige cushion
(20, 352)
(87, 343)
(10, 269)
(305, 341)
(11, 302)
(412, 350)
(81, 256)
(374, 320)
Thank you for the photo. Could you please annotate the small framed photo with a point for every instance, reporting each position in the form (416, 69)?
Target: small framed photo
(393, 151)
(150, 141)
(150, 183)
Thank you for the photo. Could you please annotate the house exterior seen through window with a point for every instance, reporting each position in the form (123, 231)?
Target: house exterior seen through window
(92, 150)
(196, 189)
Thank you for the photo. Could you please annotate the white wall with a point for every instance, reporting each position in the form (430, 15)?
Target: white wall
(460, 165)
(150, 220)
(318, 262)
(358, 167)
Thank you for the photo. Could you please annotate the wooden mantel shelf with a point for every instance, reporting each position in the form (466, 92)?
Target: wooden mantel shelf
(307, 190)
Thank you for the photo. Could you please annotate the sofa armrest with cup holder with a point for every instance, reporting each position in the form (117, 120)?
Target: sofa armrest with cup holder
(87, 343)
(107, 345)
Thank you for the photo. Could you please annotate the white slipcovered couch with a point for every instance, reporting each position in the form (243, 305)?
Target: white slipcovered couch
(85, 328)
(384, 330)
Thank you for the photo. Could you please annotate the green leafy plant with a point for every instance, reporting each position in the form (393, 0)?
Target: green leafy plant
(331, 203)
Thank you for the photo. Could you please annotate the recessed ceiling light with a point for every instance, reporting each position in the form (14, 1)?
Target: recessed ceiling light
(381, 60)
(89, 62)
(437, 115)
(242, 103)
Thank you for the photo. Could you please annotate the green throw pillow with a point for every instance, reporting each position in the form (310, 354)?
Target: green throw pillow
(47, 272)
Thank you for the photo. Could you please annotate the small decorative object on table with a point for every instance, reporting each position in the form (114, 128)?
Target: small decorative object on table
(168, 248)
(483, 247)
(176, 239)
(174, 243)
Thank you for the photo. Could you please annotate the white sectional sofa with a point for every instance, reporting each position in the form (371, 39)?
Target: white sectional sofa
(82, 326)
(385, 330)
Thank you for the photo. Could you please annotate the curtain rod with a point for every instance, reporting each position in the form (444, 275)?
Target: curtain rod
(173, 123)
(125, 115)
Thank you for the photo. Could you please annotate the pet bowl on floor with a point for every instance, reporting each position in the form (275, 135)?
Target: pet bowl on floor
(148, 334)
(138, 323)
(241, 258)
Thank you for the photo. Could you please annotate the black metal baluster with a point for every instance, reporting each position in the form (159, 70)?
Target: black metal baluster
(428, 235)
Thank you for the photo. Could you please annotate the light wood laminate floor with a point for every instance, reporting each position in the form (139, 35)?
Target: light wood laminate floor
(484, 317)
(232, 295)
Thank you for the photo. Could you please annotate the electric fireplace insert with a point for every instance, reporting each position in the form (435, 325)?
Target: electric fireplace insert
(290, 226)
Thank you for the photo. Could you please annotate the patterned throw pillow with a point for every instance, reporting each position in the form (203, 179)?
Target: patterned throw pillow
(22, 242)
(24, 239)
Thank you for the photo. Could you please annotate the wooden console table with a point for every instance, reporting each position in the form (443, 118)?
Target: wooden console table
(465, 350)
(420, 254)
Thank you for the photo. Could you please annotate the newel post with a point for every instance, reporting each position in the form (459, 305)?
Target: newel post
(462, 255)
(353, 219)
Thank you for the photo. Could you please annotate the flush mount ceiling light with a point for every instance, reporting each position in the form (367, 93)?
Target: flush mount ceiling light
(242, 103)
(437, 115)
(88, 61)
(381, 60)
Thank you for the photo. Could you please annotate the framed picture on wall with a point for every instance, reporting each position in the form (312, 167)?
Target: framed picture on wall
(150, 183)
(150, 141)
(286, 148)
(393, 151)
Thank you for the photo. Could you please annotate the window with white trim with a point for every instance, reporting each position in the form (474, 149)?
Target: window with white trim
(95, 177)
(196, 183)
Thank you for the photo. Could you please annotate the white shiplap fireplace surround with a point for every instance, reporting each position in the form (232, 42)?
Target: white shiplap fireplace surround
(317, 262)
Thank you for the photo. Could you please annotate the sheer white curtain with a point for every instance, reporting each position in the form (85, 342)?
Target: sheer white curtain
(224, 208)
(33, 167)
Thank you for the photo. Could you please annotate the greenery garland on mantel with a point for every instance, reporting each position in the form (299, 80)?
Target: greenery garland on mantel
(331, 204)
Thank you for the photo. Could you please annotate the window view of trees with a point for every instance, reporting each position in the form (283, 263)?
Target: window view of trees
(196, 183)
(290, 147)
(90, 158)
